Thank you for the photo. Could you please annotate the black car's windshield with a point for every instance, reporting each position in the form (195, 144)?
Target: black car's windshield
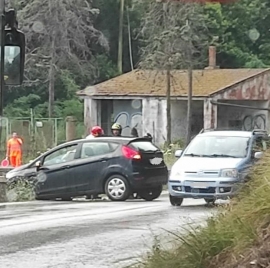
(218, 146)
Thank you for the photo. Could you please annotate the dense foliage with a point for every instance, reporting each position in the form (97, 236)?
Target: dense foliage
(71, 45)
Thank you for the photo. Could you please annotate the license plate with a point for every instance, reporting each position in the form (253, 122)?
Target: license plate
(156, 161)
(199, 185)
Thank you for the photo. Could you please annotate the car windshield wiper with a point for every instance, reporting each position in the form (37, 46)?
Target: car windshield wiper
(221, 155)
(194, 155)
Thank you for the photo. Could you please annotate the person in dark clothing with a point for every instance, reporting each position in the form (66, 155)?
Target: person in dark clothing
(116, 130)
(149, 136)
(134, 132)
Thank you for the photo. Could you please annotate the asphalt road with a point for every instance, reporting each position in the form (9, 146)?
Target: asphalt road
(92, 234)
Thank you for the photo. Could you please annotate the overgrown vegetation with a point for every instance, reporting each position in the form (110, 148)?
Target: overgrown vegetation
(169, 151)
(21, 191)
(240, 230)
(174, 36)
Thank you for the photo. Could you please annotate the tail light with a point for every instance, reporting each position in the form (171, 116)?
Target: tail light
(130, 153)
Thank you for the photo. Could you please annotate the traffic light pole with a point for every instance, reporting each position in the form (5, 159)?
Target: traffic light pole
(2, 63)
(3, 197)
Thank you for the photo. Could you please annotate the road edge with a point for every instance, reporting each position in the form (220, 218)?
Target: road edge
(25, 203)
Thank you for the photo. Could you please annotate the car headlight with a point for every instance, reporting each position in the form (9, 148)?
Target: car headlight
(230, 172)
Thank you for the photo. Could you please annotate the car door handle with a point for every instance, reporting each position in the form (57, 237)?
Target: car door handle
(104, 159)
(65, 167)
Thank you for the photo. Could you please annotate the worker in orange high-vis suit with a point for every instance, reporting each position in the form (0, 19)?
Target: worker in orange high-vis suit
(14, 150)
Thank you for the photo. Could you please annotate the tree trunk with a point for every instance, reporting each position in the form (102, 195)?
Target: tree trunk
(120, 38)
(52, 78)
(129, 41)
(189, 104)
(168, 94)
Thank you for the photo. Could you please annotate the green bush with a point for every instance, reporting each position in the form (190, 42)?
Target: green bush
(169, 151)
(21, 191)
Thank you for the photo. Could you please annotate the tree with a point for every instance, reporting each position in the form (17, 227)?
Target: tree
(243, 33)
(174, 36)
(108, 22)
(60, 35)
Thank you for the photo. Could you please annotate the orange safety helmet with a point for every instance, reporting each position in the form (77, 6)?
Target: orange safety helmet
(97, 131)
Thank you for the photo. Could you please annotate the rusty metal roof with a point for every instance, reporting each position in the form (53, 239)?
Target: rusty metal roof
(150, 83)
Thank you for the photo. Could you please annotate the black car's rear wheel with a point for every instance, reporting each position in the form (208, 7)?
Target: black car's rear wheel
(67, 198)
(150, 194)
(176, 201)
(40, 198)
(117, 188)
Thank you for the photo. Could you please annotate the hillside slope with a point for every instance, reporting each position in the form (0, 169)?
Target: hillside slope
(238, 237)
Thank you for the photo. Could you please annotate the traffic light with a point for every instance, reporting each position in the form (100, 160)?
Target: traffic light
(14, 55)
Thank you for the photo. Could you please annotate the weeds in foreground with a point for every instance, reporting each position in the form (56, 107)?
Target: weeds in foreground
(20, 191)
(226, 236)
(169, 151)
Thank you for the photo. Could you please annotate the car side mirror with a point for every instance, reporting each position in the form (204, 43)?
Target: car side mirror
(258, 155)
(38, 165)
(14, 56)
(178, 153)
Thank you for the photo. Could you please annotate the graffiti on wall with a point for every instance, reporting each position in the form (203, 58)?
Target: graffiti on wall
(128, 121)
(254, 122)
(254, 89)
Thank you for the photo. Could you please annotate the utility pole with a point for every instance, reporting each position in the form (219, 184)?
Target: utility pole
(190, 86)
(120, 38)
(2, 63)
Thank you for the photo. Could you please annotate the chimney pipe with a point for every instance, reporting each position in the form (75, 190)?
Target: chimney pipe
(212, 58)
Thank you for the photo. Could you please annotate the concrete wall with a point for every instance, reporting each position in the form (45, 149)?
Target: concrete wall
(147, 115)
(254, 91)
(179, 118)
(91, 113)
(105, 112)
(254, 88)
(129, 114)
(154, 118)
(242, 118)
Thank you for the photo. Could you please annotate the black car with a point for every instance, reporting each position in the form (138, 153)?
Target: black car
(116, 166)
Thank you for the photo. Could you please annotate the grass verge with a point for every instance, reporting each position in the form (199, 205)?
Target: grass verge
(230, 239)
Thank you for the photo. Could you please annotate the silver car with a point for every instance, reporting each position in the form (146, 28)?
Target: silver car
(213, 164)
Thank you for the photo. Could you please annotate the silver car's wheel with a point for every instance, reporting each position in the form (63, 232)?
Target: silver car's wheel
(176, 201)
(117, 188)
(151, 193)
(210, 201)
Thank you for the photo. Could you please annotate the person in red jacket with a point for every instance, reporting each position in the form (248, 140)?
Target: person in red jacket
(95, 132)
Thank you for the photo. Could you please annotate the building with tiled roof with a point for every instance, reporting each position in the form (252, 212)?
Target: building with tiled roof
(152, 83)
(227, 98)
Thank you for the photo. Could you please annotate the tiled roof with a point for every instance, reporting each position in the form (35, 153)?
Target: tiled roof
(151, 83)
